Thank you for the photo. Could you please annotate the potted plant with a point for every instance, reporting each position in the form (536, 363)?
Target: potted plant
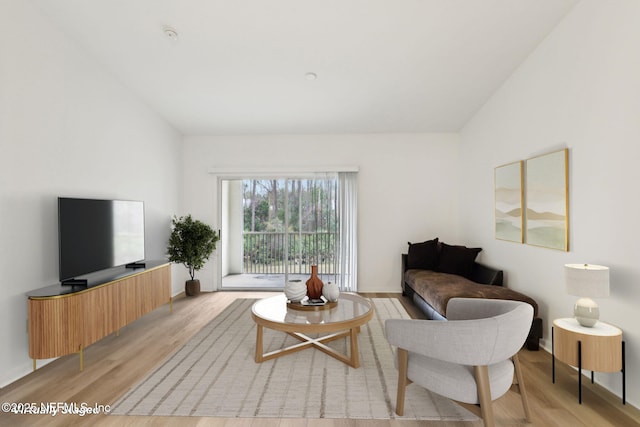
(191, 243)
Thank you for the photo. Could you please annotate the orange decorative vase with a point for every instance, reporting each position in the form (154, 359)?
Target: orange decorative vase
(314, 284)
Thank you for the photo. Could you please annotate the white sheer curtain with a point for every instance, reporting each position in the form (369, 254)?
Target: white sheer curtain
(347, 269)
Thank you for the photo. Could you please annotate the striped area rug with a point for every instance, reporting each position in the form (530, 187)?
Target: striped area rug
(215, 375)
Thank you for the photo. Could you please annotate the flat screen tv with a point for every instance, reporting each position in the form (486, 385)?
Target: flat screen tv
(96, 235)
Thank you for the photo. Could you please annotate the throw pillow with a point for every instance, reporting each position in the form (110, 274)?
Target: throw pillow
(457, 259)
(424, 255)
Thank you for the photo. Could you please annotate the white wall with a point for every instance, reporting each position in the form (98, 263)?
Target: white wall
(406, 186)
(67, 128)
(580, 89)
(232, 222)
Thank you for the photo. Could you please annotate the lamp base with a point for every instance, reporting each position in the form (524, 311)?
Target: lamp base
(586, 312)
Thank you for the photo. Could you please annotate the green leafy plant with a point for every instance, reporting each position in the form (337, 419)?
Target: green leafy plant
(191, 243)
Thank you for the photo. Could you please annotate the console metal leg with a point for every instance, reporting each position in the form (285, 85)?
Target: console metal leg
(81, 358)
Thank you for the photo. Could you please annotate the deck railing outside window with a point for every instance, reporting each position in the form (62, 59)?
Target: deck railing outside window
(264, 252)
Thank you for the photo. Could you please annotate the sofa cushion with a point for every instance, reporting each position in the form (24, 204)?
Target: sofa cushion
(423, 255)
(438, 288)
(457, 259)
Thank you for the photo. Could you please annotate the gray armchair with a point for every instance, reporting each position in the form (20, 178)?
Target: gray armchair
(470, 358)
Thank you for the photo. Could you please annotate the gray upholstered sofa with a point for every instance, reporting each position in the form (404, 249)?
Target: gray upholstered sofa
(434, 272)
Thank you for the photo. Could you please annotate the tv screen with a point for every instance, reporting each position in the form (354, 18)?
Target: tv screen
(95, 235)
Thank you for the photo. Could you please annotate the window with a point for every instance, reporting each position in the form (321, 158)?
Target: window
(289, 224)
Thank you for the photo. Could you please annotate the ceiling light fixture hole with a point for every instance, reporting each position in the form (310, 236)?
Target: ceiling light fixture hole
(170, 33)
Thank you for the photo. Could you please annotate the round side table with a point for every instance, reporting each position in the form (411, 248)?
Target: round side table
(599, 348)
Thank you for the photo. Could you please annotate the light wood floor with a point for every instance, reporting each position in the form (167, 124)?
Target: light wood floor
(116, 363)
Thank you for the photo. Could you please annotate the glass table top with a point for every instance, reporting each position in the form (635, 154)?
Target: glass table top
(349, 307)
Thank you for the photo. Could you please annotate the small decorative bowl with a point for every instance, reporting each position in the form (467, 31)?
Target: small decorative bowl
(295, 290)
(331, 291)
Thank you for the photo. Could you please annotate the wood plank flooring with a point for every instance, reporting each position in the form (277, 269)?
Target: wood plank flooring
(116, 363)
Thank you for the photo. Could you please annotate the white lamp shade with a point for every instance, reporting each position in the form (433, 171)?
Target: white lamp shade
(587, 280)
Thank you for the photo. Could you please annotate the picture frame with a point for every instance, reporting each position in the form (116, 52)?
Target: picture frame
(547, 200)
(508, 212)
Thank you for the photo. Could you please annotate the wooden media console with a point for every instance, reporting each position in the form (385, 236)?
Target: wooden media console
(66, 319)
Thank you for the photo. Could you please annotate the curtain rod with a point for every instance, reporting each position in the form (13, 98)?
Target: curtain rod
(279, 170)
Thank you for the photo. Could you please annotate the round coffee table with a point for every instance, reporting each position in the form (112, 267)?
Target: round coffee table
(343, 320)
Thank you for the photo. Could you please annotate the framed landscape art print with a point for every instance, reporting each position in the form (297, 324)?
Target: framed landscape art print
(508, 202)
(547, 200)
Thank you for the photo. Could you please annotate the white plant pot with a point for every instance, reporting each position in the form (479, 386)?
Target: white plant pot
(295, 290)
(331, 291)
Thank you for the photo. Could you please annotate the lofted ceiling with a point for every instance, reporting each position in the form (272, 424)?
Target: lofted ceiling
(240, 66)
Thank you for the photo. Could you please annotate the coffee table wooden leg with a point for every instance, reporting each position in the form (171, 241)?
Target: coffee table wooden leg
(355, 354)
(352, 359)
(259, 335)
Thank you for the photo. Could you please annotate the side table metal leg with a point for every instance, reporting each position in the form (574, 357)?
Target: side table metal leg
(553, 359)
(624, 378)
(580, 372)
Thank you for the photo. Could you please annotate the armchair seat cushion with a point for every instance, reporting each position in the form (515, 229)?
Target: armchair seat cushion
(456, 381)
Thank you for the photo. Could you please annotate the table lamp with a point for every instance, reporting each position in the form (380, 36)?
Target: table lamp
(587, 281)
